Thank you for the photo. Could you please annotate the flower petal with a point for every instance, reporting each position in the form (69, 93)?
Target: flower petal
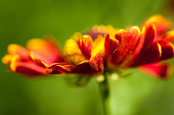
(7, 59)
(111, 45)
(14, 49)
(119, 54)
(134, 43)
(60, 68)
(28, 68)
(45, 49)
(98, 46)
(160, 23)
(85, 45)
(39, 59)
(128, 44)
(167, 49)
(152, 54)
(72, 53)
(159, 70)
(149, 36)
(169, 36)
(96, 62)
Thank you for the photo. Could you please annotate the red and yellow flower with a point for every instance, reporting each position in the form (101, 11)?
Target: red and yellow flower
(97, 50)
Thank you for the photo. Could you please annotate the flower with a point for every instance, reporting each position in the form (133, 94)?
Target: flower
(84, 52)
(35, 59)
(139, 47)
(98, 50)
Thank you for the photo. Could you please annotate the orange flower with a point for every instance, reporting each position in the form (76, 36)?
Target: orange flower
(35, 59)
(85, 52)
(136, 47)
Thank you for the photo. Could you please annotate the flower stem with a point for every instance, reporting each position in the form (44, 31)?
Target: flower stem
(104, 91)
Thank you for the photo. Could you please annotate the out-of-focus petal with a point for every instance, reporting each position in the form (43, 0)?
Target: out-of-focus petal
(7, 59)
(100, 30)
(167, 49)
(14, 49)
(159, 70)
(26, 67)
(152, 54)
(85, 45)
(45, 49)
(169, 36)
(95, 31)
(39, 59)
(160, 23)
(30, 69)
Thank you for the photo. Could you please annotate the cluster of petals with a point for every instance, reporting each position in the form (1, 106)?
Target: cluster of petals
(144, 47)
(34, 60)
(97, 50)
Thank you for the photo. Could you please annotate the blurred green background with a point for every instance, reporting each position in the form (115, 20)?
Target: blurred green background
(20, 21)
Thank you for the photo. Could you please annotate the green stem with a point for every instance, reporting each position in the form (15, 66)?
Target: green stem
(104, 91)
